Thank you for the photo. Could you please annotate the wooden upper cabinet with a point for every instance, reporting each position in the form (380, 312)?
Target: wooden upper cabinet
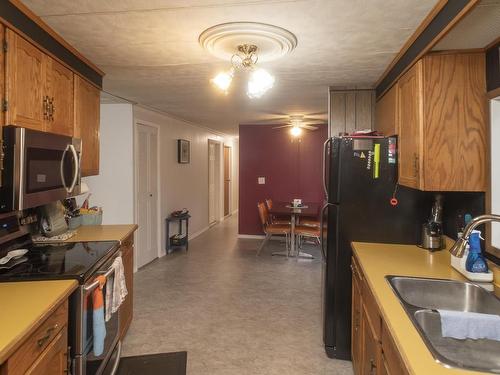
(443, 123)
(87, 117)
(25, 83)
(386, 112)
(455, 122)
(60, 93)
(351, 110)
(410, 118)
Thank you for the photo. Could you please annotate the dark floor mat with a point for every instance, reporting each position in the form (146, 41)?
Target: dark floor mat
(154, 364)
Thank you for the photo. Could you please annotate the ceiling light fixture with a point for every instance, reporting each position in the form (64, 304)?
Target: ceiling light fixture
(273, 43)
(295, 131)
(246, 58)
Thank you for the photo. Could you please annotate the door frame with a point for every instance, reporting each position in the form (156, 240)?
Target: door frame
(230, 190)
(138, 122)
(219, 182)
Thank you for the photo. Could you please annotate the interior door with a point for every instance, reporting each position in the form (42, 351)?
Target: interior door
(211, 183)
(227, 180)
(147, 194)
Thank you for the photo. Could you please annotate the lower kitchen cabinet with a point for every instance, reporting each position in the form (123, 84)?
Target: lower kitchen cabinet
(127, 307)
(45, 351)
(373, 349)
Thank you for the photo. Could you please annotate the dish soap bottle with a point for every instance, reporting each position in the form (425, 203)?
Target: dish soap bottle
(475, 260)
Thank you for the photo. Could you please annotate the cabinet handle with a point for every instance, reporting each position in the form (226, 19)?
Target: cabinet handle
(373, 366)
(45, 107)
(52, 109)
(41, 341)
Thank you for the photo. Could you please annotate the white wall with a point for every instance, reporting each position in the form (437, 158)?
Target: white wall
(184, 185)
(495, 168)
(113, 188)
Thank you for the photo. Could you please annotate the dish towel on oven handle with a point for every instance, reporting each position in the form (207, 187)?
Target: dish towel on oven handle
(98, 324)
(117, 289)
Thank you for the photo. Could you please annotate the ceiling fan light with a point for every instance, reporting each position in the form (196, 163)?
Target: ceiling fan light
(223, 80)
(295, 131)
(260, 81)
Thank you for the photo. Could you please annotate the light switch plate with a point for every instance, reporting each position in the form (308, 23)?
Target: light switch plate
(261, 180)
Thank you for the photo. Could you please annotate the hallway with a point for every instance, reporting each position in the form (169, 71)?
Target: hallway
(233, 312)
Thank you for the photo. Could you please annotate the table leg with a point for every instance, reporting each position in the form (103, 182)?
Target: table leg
(292, 234)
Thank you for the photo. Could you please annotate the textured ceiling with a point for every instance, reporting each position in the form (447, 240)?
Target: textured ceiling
(150, 53)
(477, 30)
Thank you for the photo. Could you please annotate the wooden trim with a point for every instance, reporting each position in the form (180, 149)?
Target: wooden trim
(437, 8)
(495, 42)
(457, 51)
(23, 8)
(414, 39)
(493, 93)
(50, 43)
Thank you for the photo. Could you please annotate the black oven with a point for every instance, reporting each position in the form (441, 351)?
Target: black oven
(39, 168)
(85, 361)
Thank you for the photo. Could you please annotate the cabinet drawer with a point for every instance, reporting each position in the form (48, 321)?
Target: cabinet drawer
(39, 340)
(393, 361)
(372, 310)
(356, 270)
(54, 359)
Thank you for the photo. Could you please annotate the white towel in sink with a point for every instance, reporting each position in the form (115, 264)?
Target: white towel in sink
(116, 290)
(469, 325)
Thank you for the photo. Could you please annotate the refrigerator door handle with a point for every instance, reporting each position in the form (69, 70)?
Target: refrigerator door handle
(323, 231)
(325, 148)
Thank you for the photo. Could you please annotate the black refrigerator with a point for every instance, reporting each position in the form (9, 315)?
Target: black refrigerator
(360, 175)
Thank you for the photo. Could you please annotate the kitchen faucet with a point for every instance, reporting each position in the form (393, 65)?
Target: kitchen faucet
(458, 247)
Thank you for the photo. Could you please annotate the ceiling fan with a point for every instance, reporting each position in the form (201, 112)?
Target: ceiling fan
(297, 123)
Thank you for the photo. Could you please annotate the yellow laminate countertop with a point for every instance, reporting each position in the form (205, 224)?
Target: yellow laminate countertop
(25, 305)
(87, 233)
(378, 260)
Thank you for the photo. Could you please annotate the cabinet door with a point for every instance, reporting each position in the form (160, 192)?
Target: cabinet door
(2, 99)
(356, 343)
(386, 111)
(126, 309)
(54, 358)
(371, 347)
(59, 88)
(410, 109)
(25, 76)
(456, 122)
(87, 111)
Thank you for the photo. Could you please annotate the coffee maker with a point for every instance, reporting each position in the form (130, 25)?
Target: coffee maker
(432, 230)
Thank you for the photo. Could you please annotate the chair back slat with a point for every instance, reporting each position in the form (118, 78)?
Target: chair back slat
(263, 213)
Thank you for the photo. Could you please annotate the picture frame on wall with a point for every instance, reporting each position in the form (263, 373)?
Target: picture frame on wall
(183, 151)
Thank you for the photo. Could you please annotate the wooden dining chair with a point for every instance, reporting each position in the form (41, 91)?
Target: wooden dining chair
(283, 220)
(302, 231)
(271, 229)
(309, 222)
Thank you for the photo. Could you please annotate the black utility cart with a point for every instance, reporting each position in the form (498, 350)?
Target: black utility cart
(179, 240)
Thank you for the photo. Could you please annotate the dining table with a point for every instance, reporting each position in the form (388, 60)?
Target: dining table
(307, 209)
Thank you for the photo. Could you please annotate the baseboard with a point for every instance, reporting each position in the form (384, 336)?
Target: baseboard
(196, 234)
(259, 237)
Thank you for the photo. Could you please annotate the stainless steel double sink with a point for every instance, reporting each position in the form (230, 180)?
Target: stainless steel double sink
(421, 297)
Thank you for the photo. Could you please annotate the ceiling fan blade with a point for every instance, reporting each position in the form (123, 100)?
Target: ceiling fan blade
(269, 121)
(309, 127)
(310, 119)
(282, 126)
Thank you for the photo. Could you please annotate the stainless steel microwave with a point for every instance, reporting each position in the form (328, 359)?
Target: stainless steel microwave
(39, 168)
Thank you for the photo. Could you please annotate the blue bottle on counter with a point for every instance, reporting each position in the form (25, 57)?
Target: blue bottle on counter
(475, 260)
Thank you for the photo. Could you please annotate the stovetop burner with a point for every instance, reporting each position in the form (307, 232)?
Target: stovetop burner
(59, 261)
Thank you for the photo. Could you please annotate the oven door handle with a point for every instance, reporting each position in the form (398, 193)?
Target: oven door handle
(95, 284)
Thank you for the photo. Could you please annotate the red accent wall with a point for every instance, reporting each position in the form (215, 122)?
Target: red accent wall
(292, 169)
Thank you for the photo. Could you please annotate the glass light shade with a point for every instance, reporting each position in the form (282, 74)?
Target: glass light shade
(223, 80)
(260, 81)
(295, 131)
